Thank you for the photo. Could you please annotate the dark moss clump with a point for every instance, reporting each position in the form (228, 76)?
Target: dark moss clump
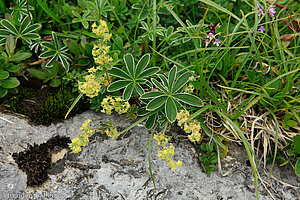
(36, 160)
(43, 105)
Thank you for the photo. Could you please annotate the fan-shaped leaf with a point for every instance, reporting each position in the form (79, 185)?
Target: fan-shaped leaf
(159, 85)
(48, 45)
(181, 81)
(47, 54)
(156, 103)
(118, 73)
(9, 26)
(172, 77)
(164, 80)
(117, 85)
(149, 72)
(139, 89)
(25, 23)
(142, 64)
(189, 99)
(151, 121)
(129, 62)
(128, 91)
(150, 95)
(170, 110)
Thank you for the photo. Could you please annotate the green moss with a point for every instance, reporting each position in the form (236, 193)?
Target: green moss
(46, 105)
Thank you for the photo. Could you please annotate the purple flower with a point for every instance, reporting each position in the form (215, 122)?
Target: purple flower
(217, 42)
(210, 36)
(260, 11)
(262, 29)
(207, 42)
(272, 11)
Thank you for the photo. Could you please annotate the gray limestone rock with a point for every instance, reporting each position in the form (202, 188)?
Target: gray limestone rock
(104, 170)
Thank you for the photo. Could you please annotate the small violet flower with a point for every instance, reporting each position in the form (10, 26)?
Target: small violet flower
(210, 36)
(217, 43)
(272, 11)
(260, 11)
(262, 29)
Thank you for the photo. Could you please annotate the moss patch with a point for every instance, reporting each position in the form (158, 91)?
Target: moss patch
(43, 104)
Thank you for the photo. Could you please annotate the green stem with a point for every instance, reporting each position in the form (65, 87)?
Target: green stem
(2, 6)
(149, 157)
(154, 32)
(49, 12)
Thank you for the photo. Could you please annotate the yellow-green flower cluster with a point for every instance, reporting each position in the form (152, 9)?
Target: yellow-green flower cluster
(109, 103)
(189, 126)
(161, 139)
(101, 47)
(188, 88)
(112, 132)
(91, 87)
(182, 117)
(166, 154)
(82, 140)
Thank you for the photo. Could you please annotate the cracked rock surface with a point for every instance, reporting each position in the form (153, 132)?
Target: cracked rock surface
(104, 170)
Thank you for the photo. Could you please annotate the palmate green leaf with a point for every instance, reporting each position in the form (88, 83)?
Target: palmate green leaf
(55, 40)
(129, 62)
(169, 86)
(117, 85)
(156, 103)
(31, 28)
(133, 76)
(180, 82)
(25, 23)
(159, 85)
(5, 33)
(47, 54)
(148, 72)
(141, 65)
(189, 99)
(139, 89)
(172, 77)
(150, 95)
(164, 80)
(30, 36)
(64, 62)
(128, 91)
(170, 109)
(48, 45)
(9, 26)
(118, 73)
(151, 121)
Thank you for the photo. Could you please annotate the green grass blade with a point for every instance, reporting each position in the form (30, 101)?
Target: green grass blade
(48, 11)
(149, 157)
(211, 3)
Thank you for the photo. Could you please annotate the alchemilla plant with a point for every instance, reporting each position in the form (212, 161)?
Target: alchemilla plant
(222, 71)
